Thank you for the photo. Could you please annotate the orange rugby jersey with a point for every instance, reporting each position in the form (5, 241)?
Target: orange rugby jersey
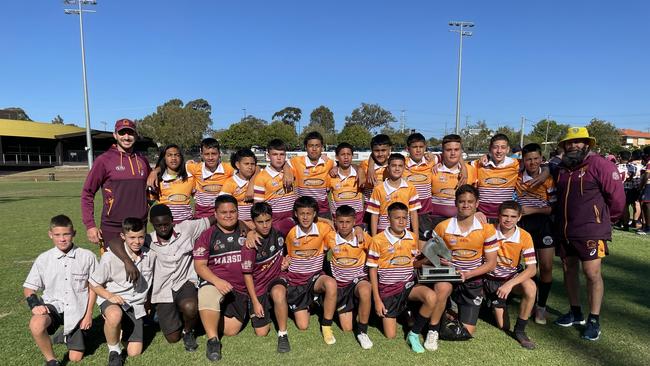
(419, 174)
(540, 196)
(511, 251)
(345, 191)
(207, 185)
(443, 189)
(312, 179)
(496, 184)
(467, 249)
(384, 194)
(379, 173)
(270, 188)
(348, 259)
(306, 252)
(236, 187)
(393, 258)
(176, 194)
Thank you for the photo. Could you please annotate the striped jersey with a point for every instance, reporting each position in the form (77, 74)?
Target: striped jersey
(345, 191)
(419, 174)
(348, 257)
(540, 196)
(511, 252)
(384, 195)
(264, 263)
(467, 248)
(393, 258)
(443, 189)
(496, 184)
(312, 179)
(270, 188)
(207, 185)
(176, 194)
(306, 252)
(236, 187)
(379, 173)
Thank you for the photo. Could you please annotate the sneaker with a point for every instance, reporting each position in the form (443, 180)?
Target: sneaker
(213, 349)
(328, 335)
(524, 341)
(115, 359)
(569, 319)
(642, 232)
(189, 340)
(413, 339)
(540, 315)
(364, 341)
(283, 344)
(431, 342)
(592, 331)
(52, 363)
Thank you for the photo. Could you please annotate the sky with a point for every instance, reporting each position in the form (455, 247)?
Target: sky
(569, 60)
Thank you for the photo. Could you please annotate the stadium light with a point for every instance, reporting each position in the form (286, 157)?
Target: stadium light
(462, 33)
(79, 11)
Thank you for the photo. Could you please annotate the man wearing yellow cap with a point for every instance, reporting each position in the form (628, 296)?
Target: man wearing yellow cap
(590, 198)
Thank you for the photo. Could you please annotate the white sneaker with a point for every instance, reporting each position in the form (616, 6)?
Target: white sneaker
(431, 342)
(364, 341)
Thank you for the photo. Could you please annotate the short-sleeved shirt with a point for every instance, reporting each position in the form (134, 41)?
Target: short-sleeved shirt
(384, 195)
(420, 174)
(496, 184)
(393, 258)
(511, 250)
(174, 265)
(269, 188)
(443, 189)
(223, 253)
(176, 193)
(379, 173)
(467, 248)
(63, 278)
(306, 251)
(264, 262)
(111, 275)
(237, 187)
(346, 191)
(348, 257)
(207, 185)
(312, 179)
(540, 196)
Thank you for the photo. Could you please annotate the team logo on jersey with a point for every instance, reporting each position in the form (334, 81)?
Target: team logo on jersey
(442, 178)
(230, 239)
(166, 185)
(347, 195)
(593, 252)
(464, 253)
(279, 192)
(409, 284)
(547, 240)
(199, 252)
(241, 241)
(391, 249)
(306, 253)
(212, 187)
(401, 260)
(296, 243)
(281, 242)
(120, 168)
(615, 176)
(336, 249)
(417, 178)
(495, 181)
(452, 241)
(477, 301)
(504, 261)
(178, 197)
(346, 262)
(274, 183)
(239, 190)
(314, 182)
(247, 264)
(272, 248)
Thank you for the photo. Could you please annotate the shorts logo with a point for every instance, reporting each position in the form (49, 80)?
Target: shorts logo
(593, 252)
(346, 262)
(212, 188)
(400, 260)
(548, 240)
(409, 284)
(464, 253)
(306, 253)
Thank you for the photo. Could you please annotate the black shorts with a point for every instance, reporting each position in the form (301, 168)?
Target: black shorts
(132, 328)
(301, 297)
(396, 304)
(425, 226)
(632, 195)
(540, 228)
(345, 299)
(169, 315)
(235, 305)
(75, 340)
(265, 300)
(490, 286)
(468, 296)
(645, 194)
(586, 250)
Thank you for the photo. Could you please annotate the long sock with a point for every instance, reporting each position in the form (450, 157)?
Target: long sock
(542, 294)
(576, 310)
(363, 327)
(326, 322)
(520, 326)
(419, 323)
(595, 317)
(435, 327)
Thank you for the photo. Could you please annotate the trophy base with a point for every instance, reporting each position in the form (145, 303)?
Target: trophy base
(430, 274)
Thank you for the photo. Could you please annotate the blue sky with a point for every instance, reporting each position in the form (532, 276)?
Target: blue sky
(572, 60)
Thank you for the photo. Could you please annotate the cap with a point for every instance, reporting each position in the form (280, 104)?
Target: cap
(122, 124)
(576, 133)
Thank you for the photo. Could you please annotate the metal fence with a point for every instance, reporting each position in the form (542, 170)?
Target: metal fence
(29, 159)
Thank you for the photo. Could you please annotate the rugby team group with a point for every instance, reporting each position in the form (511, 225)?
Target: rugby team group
(233, 243)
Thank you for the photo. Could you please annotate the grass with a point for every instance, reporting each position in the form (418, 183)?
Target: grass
(25, 209)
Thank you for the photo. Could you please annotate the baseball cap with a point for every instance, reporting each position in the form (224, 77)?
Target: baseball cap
(123, 124)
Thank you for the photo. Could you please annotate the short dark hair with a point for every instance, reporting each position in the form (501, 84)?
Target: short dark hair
(160, 210)
(415, 137)
(451, 138)
(625, 155)
(182, 172)
(466, 188)
(343, 145)
(646, 150)
(276, 144)
(499, 137)
(396, 156)
(261, 208)
(238, 155)
(224, 198)
(345, 211)
(61, 221)
(637, 155)
(305, 202)
(381, 139)
(397, 206)
(509, 205)
(132, 224)
(313, 135)
(529, 148)
(210, 143)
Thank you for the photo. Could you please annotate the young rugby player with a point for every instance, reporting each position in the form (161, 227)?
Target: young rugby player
(515, 247)
(120, 301)
(393, 189)
(374, 168)
(419, 172)
(345, 185)
(390, 263)
(174, 187)
(245, 164)
(61, 273)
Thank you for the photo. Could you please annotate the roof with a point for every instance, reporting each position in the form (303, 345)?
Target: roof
(633, 133)
(15, 128)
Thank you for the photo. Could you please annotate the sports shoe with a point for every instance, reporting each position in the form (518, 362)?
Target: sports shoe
(115, 359)
(431, 342)
(54, 362)
(524, 341)
(642, 232)
(283, 344)
(540, 315)
(569, 319)
(364, 341)
(213, 349)
(189, 340)
(592, 330)
(413, 339)
(328, 334)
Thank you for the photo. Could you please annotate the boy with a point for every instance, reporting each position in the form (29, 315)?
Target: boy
(380, 145)
(390, 263)
(209, 175)
(245, 163)
(348, 260)
(120, 301)
(393, 189)
(419, 173)
(515, 246)
(62, 274)
(261, 267)
(345, 185)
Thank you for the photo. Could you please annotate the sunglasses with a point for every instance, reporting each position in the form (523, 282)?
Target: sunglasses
(126, 131)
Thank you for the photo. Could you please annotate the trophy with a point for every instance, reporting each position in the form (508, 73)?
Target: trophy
(434, 249)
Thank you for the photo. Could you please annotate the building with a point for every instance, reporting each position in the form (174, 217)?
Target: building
(634, 138)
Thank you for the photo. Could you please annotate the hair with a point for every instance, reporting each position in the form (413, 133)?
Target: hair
(646, 150)
(61, 221)
(397, 206)
(343, 145)
(238, 155)
(499, 137)
(637, 155)
(224, 198)
(451, 138)
(381, 139)
(625, 155)
(415, 137)
(509, 205)
(209, 143)
(261, 208)
(182, 172)
(529, 148)
(160, 210)
(345, 211)
(276, 144)
(466, 188)
(132, 224)
(515, 149)
(396, 156)
(313, 135)
(305, 202)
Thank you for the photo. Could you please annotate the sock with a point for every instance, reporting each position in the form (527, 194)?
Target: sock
(542, 294)
(326, 322)
(114, 348)
(435, 327)
(520, 326)
(363, 327)
(419, 323)
(576, 310)
(595, 317)
(282, 333)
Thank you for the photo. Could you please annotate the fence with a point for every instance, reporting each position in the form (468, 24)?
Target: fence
(29, 159)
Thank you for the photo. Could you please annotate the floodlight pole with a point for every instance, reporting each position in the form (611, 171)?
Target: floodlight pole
(462, 33)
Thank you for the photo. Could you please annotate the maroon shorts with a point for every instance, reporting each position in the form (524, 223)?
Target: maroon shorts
(586, 250)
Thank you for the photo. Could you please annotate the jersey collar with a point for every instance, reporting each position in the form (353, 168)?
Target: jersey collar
(443, 168)
(206, 173)
(454, 229)
(526, 177)
(70, 254)
(166, 177)
(389, 189)
(392, 239)
(507, 161)
(353, 173)
(312, 232)
(308, 163)
(339, 240)
(272, 172)
(411, 163)
(514, 238)
(239, 181)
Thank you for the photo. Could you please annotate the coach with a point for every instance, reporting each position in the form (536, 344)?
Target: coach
(590, 198)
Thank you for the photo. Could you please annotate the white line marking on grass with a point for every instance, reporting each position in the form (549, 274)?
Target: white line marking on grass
(4, 314)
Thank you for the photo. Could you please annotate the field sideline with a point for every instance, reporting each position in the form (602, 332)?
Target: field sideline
(26, 207)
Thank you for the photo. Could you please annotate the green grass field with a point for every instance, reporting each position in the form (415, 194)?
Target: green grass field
(25, 209)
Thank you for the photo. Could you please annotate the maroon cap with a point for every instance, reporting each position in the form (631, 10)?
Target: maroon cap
(122, 124)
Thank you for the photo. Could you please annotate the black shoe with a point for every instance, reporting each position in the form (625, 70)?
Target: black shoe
(52, 363)
(213, 349)
(592, 330)
(115, 359)
(58, 337)
(283, 344)
(189, 340)
(524, 341)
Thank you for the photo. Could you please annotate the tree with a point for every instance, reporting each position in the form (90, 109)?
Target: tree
(322, 116)
(608, 139)
(396, 137)
(370, 116)
(176, 123)
(434, 142)
(248, 132)
(513, 135)
(288, 115)
(476, 138)
(282, 131)
(356, 135)
(58, 120)
(556, 132)
(14, 113)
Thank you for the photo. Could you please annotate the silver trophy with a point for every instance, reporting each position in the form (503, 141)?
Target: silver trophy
(434, 249)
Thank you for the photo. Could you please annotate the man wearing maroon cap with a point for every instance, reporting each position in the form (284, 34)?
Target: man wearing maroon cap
(122, 175)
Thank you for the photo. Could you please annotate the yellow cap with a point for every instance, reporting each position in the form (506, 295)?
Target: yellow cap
(575, 133)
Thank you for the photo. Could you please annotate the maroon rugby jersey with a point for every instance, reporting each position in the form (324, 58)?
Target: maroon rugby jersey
(265, 262)
(223, 253)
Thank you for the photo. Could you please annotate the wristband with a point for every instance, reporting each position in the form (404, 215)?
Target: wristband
(33, 301)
